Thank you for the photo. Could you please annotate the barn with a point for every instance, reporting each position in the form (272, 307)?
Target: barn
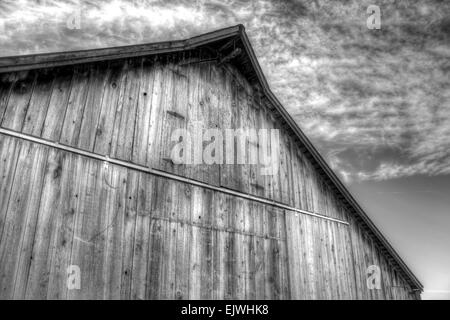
(93, 206)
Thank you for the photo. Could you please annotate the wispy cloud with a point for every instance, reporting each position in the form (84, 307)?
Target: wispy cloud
(377, 102)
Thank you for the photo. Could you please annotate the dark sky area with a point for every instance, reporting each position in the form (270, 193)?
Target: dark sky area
(376, 103)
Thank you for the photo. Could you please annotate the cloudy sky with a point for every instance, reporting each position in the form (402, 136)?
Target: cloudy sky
(376, 103)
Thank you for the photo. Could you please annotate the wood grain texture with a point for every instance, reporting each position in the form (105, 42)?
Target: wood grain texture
(128, 109)
(138, 236)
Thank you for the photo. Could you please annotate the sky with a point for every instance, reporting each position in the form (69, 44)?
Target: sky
(375, 102)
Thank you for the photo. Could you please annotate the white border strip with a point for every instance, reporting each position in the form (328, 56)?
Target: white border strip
(164, 174)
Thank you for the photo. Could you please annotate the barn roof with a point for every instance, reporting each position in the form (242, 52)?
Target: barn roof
(228, 43)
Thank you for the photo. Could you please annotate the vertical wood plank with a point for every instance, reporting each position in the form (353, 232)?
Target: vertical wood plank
(207, 243)
(196, 252)
(155, 115)
(221, 217)
(7, 81)
(144, 112)
(113, 95)
(25, 246)
(169, 214)
(58, 103)
(141, 255)
(19, 100)
(156, 245)
(86, 228)
(107, 188)
(114, 245)
(129, 226)
(70, 187)
(183, 245)
(39, 102)
(127, 123)
(259, 252)
(20, 218)
(98, 76)
(75, 108)
(250, 252)
(9, 152)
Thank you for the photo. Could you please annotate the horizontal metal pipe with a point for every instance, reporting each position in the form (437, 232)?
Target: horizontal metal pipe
(163, 174)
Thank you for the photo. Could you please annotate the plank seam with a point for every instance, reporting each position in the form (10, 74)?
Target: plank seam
(163, 174)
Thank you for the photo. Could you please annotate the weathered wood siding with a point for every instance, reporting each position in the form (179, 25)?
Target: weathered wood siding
(137, 236)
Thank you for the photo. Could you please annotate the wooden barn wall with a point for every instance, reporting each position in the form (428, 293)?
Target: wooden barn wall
(129, 109)
(137, 236)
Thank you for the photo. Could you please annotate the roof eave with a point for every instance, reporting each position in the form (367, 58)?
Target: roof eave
(58, 59)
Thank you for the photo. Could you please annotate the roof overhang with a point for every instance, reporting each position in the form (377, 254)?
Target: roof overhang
(224, 36)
